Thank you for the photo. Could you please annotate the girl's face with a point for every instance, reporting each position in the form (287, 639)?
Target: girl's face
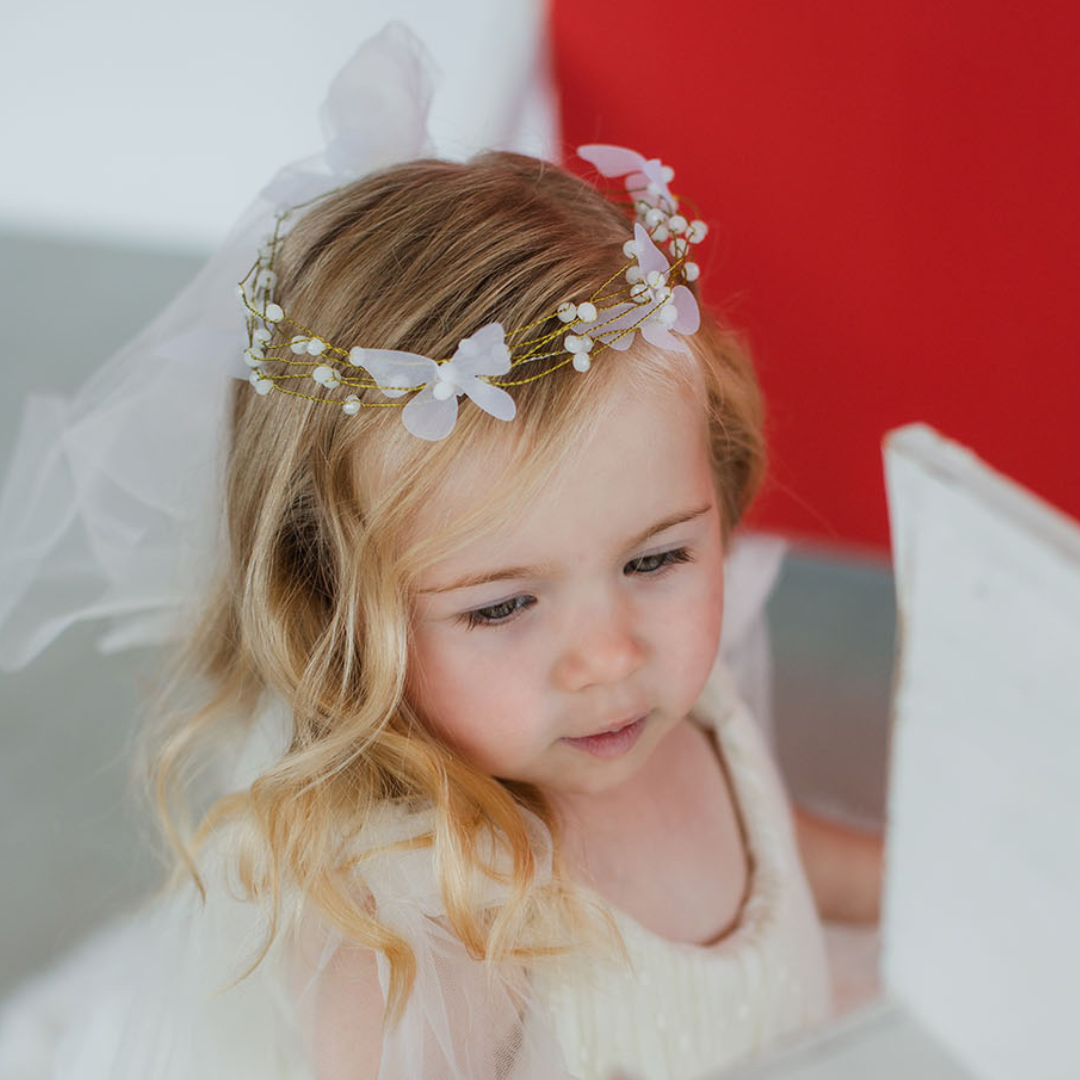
(599, 609)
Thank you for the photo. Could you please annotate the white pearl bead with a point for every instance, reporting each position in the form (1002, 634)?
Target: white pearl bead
(640, 293)
(582, 362)
(679, 247)
(659, 234)
(442, 390)
(316, 347)
(654, 217)
(642, 207)
(668, 173)
(631, 249)
(677, 224)
(692, 271)
(586, 312)
(356, 356)
(634, 273)
(262, 334)
(262, 385)
(566, 312)
(668, 315)
(654, 279)
(578, 344)
(274, 313)
(654, 188)
(351, 405)
(251, 359)
(298, 345)
(697, 232)
(326, 376)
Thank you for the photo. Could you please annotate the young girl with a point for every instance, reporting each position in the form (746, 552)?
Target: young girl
(477, 797)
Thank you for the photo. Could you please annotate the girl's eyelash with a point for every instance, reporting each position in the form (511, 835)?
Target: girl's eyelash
(507, 610)
(496, 614)
(667, 560)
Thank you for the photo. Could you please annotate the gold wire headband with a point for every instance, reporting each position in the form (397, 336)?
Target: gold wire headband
(654, 302)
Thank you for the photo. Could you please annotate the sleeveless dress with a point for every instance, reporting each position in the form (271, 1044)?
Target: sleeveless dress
(680, 1010)
(145, 998)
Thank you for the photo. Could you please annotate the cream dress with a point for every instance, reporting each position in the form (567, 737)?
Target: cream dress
(680, 1010)
(146, 998)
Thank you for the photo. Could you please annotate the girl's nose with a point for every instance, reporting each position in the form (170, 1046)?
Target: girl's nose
(599, 651)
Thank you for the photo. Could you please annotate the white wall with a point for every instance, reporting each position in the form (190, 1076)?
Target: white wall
(157, 122)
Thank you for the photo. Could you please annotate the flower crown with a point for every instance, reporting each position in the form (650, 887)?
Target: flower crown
(654, 301)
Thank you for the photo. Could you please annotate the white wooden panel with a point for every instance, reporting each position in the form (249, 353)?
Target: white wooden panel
(981, 935)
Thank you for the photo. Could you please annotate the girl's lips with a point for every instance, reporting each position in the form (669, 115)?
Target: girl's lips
(611, 744)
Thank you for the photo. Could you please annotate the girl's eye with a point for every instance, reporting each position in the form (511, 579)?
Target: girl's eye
(498, 613)
(657, 564)
(506, 611)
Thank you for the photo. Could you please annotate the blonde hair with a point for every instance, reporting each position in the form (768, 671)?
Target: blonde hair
(312, 604)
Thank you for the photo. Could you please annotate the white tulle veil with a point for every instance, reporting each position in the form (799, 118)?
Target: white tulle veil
(111, 511)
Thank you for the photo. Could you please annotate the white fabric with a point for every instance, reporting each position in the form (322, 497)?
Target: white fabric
(751, 569)
(110, 506)
(147, 997)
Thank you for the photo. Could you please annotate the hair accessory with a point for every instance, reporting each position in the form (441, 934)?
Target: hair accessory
(654, 301)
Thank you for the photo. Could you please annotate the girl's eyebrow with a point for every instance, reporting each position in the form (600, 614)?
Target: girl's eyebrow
(511, 573)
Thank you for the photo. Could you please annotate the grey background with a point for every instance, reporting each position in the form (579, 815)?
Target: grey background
(75, 837)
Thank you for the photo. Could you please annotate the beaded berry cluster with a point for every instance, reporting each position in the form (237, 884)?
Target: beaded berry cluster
(654, 301)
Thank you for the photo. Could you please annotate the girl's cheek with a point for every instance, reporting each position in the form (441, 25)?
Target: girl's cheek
(693, 615)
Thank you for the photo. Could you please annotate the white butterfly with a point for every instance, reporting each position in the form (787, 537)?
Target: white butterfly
(648, 178)
(432, 412)
(658, 309)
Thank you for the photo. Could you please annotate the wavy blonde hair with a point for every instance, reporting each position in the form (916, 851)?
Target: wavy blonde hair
(312, 603)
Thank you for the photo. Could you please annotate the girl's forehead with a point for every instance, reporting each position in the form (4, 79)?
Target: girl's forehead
(644, 458)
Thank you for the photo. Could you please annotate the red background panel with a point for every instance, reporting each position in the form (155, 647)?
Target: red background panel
(892, 190)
